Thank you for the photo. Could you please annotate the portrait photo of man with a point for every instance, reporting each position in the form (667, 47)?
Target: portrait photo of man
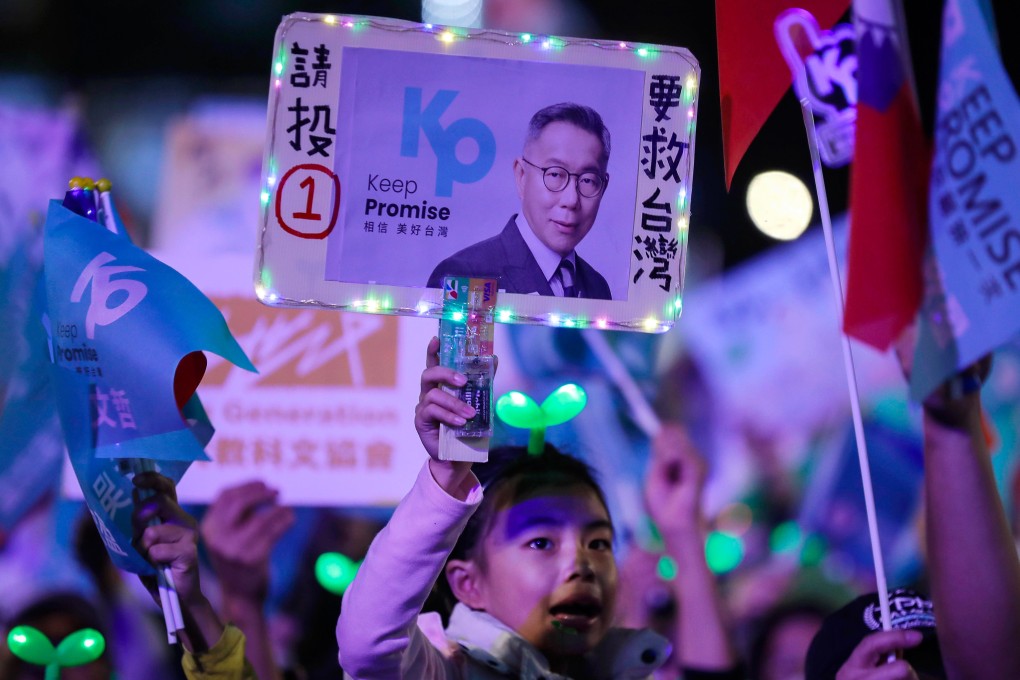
(561, 177)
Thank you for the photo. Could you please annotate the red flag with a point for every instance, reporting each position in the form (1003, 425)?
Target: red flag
(888, 182)
(753, 75)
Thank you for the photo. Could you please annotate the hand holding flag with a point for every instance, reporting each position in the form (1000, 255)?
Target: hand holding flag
(126, 336)
(972, 273)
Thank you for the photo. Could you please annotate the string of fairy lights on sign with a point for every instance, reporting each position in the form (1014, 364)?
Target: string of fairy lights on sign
(449, 35)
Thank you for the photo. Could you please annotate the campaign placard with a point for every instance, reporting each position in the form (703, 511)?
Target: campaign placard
(399, 153)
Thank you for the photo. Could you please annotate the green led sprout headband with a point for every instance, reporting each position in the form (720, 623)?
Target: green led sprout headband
(519, 410)
(77, 649)
(335, 571)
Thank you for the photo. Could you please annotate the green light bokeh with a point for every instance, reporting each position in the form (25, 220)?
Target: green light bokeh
(335, 571)
(786, 538)
(667, 568)
(723, 552)
(813, 551)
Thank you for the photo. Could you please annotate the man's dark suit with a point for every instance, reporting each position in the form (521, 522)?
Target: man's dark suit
(507, 258)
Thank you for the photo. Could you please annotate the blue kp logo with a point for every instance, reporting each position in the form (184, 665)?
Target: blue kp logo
(444, 140)
(99, 273)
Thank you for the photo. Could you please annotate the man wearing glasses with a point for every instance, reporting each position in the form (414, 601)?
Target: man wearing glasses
(560, 177)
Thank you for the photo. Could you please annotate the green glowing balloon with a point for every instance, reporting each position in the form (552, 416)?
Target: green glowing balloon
(517, 409)
(335, 571)
(563, 404)
(81, 647)
(28, 644)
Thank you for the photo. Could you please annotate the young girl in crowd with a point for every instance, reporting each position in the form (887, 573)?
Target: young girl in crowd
(531, 565)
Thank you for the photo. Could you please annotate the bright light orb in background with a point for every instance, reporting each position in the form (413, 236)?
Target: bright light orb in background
(779, 204)
(465, 13)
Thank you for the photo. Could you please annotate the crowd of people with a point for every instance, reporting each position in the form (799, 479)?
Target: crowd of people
(509, 569)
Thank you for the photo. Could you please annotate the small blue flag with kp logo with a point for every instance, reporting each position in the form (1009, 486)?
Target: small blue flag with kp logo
(126, 335)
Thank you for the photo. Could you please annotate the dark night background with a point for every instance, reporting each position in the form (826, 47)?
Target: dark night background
(202, 47)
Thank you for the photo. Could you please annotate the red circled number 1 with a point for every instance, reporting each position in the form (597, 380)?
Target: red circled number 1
(308, 214)
(299, 217)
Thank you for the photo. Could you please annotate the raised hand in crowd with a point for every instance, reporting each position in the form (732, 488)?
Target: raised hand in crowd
(240, 528)
(870, 658)
(972, 562)
(674, 488)
(212, 649)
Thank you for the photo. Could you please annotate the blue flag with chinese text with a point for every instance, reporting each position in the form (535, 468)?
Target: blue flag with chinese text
(972, 273)
(31, 450)
(125, 330)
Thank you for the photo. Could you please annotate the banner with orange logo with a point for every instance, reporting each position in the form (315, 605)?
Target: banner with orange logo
(328, 417)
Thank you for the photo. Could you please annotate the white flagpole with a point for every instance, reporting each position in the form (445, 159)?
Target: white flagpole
(169, 601)
(848, 364)
(640, 409)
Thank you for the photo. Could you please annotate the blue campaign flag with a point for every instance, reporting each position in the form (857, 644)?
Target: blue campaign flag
(126, 332)
(105, 482)
(31, 448)
(972, 275)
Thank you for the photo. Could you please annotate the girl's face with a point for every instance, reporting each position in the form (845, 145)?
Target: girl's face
(546, 569)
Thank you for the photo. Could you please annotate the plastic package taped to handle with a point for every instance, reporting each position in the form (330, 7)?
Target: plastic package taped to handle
(466, 344)
(477, 392)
